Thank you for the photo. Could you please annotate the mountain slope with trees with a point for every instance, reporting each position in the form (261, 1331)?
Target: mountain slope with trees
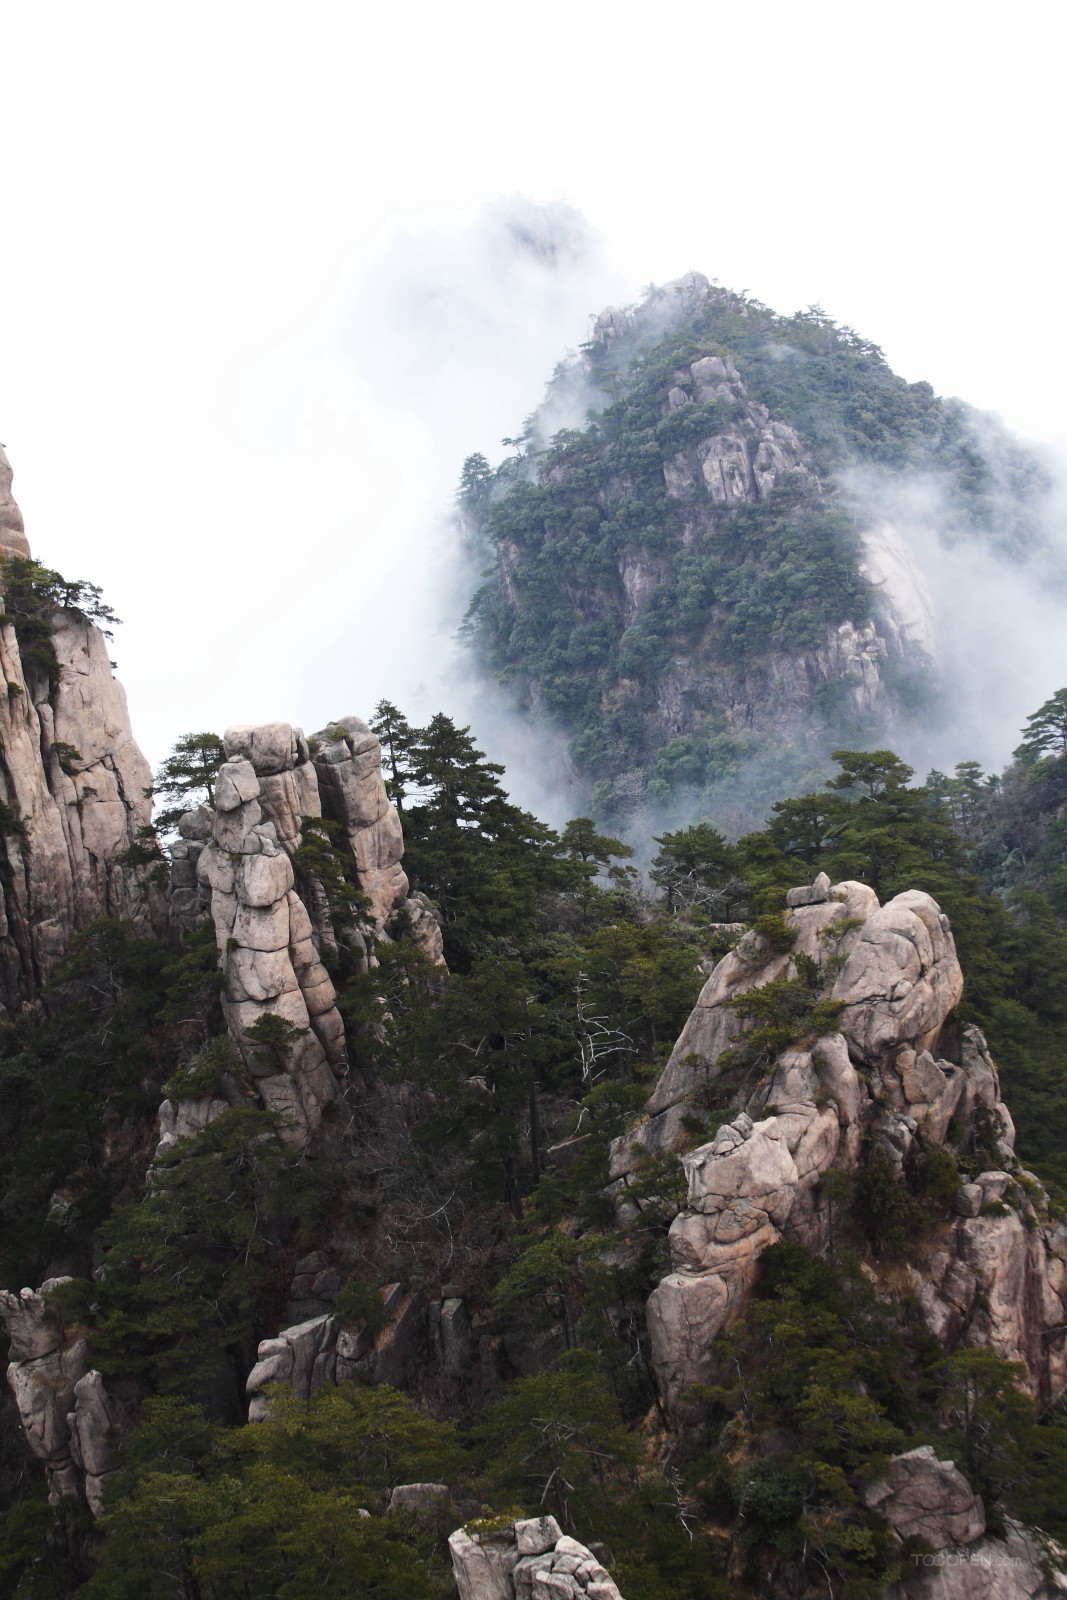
(681, 578)
(568, 985)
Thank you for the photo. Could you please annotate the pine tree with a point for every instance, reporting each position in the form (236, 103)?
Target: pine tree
(1047, 731)
(398, 739)
(480, 858)
(187, 776)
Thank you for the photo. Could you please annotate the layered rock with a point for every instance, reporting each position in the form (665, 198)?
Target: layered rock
(68, 1420)
(998, 1277)
(74, 788)
(532, 1559)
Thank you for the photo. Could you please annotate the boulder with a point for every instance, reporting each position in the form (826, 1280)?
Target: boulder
(535, 1535)
(901, 979)
(924, 1498)
(420, 1499)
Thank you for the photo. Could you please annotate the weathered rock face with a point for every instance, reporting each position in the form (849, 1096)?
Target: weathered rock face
(1012, 1568)
(532, 1560)
(236, 860)
(73, 782)
(924, 1498)
(13, 540)
(268, 949)
(321, 1351)
(998, 1278)
(347, 760)
(713, 1024)
(68, 1420)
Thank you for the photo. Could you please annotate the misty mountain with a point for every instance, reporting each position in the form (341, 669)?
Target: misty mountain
(710, 550)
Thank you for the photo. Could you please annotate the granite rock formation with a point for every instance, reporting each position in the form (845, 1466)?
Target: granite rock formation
(73, 784)
(322, 1350)
(268, 950)
(68, 1420)
(533, 1559)
(347, 759)
(235, 859)
(922, 1498)
(13, 541)
(998, 1277)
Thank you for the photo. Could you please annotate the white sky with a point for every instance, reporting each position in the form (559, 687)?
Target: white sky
(253, 315)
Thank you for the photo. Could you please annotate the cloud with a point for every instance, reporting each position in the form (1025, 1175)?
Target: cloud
(435, 344)
(999, 598)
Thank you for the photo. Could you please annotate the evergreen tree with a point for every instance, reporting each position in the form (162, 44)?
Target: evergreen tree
(475, 478)
(1046, 731)
(697, 867)
(480, 858)
(187, 776)
(398, 739)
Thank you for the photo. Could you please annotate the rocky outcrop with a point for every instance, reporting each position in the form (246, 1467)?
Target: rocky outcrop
(74, 791)
(532, 1559)
(1012, 1568)
(13, 541)
(924, 1498)
(323, 1350)
(189, 900)
(68, 1420)
(268, 950)
(713, 1024)
(998, 1277)
(347, 760)
(237, 861)
(97, 1422)
(744, 461)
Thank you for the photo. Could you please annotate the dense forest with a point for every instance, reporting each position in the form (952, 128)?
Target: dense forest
(475, 1153)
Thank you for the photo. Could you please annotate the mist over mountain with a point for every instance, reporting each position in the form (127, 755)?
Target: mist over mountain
(409, 1191)
(730, 541)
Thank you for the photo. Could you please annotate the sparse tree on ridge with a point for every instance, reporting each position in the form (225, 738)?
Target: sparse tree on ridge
(1047, 731)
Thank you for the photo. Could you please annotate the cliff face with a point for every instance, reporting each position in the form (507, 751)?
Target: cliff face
(73, 785)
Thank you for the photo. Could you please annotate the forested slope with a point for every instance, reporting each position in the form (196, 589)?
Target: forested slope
(468, 1174)
(698, 579)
